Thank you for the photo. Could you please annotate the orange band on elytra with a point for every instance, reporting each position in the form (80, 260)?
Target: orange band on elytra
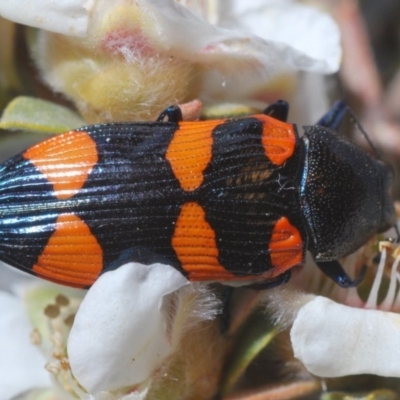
(286, 246)
(190, 152)
(278, 139)
(72, 255)
(195, 245)
(65, 160)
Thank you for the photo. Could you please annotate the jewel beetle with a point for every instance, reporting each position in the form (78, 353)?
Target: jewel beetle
(229, 200)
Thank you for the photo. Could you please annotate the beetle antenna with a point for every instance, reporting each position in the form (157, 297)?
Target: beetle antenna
(334, 117)
(378, 154)
(396, 228)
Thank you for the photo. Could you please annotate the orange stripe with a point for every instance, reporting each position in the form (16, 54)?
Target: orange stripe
(278, 138)
(72, 255)
(195, 245)
(65, 160)
(190, 152)
(285, 247)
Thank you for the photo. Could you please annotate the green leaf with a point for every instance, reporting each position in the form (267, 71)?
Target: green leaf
(36, 115)
(381, 394)
(256, 336)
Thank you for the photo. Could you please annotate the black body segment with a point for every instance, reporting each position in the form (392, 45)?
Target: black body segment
(344, 195)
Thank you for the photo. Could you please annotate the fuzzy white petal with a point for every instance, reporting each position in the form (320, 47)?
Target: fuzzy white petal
(119, 335)
(69, 17)
(334, 340)
(21, 364)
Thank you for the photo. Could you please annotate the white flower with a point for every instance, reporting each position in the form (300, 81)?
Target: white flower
(122, 327)
(334, 340)
(129, 59)
(21, 364)
(67, 17)
(111, 346)
(284, 24)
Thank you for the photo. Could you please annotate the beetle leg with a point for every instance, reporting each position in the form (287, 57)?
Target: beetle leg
(226, 309)
(335, 271)
(173, 114)
(280, 280)
(138, 254)
(278, 110)
(334, 117)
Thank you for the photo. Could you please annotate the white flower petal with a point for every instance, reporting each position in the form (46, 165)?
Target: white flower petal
(240, 61)
(262, 42)
(334, 340)
(304, 37)
(119, 335)
(313, 35)
(21, 364)
(69, 17)
(11, 277)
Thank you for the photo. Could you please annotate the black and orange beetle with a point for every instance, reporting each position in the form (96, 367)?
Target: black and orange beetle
(235, 200)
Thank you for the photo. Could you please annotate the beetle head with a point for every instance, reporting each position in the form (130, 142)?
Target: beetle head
(344, 194)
